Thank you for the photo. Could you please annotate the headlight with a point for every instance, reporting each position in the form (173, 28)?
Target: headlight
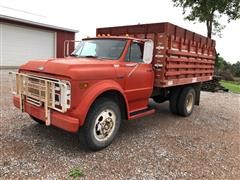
(62, 94)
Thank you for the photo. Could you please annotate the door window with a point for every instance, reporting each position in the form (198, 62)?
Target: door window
(135, 53)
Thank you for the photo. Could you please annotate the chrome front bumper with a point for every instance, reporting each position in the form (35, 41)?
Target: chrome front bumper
(41, 91)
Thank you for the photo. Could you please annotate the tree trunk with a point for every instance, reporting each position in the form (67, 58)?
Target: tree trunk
(210, 24)
(209, 29)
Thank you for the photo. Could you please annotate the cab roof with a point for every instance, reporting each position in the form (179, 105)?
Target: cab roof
(116, 37)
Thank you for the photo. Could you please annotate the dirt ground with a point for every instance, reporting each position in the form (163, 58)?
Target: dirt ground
(205, 145)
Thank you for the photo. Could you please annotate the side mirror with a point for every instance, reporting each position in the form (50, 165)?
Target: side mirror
(69, 48)
(148, 52)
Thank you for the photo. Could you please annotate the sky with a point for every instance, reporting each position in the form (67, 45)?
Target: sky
(87, 15)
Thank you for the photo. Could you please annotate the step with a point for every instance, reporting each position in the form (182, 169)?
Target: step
(141, 113)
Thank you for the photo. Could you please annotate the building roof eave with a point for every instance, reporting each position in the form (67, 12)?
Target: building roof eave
(36, 23)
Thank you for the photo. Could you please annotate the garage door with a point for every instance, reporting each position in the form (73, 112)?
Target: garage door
(18, 44)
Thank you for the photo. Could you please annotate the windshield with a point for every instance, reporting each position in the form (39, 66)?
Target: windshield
(100, 48)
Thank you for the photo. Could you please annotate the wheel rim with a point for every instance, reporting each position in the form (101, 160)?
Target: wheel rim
(104, 125)
(189, 102)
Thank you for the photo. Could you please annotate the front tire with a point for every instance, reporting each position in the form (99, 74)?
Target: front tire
(102, 124)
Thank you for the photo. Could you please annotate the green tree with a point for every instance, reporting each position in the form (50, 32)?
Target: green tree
(220, 63)
(222, 67)
(209, 12)
(236, 68)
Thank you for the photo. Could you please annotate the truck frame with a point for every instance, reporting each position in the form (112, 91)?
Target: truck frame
(112, 76)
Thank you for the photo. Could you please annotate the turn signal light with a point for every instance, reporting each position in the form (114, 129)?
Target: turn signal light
(84, 85)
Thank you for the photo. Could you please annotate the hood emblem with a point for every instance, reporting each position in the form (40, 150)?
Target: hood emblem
(40, 68)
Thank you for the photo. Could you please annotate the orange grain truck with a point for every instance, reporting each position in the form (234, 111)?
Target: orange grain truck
(112, 76)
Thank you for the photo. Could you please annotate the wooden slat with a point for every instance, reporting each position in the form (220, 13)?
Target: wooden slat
(177, 73)
(176, 66)
(181, 81)
(187, 54)
(190, 60)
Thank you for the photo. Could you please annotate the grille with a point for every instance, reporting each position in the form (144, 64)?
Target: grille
(42, 91)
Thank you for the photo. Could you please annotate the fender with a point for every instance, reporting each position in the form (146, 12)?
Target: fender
(91, 94)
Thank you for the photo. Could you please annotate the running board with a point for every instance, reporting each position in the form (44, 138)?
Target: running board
(141, 113)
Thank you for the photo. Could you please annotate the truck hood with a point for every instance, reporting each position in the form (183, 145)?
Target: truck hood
(74, 68)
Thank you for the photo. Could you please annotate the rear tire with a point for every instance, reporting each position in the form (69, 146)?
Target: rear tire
(37, 120)
(102, 124)
(173, 100)
(186, 101)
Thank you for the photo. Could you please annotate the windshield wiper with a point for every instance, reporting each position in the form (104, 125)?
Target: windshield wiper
(89, 56)
(75, 55)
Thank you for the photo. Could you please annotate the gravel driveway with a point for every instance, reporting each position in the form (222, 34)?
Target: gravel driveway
(204, 145)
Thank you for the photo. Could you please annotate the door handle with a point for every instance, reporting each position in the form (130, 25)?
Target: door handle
(158, 65)
(131, 65)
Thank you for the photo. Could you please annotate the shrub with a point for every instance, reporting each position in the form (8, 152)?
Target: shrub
(227, 75)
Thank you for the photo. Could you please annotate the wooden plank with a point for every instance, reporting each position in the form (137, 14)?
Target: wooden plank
(190, 60)
(187, 54)
(177, 73)
(176, 82)
(193, 66)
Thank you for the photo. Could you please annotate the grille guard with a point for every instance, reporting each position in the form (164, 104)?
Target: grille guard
(41, 91)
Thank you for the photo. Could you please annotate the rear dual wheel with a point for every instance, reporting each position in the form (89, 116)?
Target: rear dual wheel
(182, 101)
(173, 100)
(186, 101)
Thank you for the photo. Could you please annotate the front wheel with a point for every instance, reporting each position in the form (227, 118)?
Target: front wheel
(102, 123)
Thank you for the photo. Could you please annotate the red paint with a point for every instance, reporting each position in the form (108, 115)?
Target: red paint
(57, 119)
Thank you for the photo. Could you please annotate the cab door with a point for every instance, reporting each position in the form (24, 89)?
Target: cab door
(139, 77)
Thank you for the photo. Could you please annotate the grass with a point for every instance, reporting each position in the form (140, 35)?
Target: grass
(231, 85)
(75, 173)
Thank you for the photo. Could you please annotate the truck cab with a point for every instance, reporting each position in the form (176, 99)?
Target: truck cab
(130, 66)
(104, 80)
